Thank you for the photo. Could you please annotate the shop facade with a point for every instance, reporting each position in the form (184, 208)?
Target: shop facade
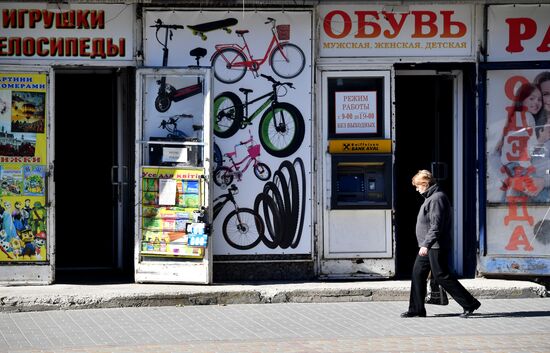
(253, 143)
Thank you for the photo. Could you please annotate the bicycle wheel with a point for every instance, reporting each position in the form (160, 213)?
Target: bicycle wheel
(228, 114)
(228, 65)
(243, 229)
(287, 60)
(223, 176)
(218, 159)
(282, 130)
(262, 171)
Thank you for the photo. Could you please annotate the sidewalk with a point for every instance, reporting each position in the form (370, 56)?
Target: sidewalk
(79, 296)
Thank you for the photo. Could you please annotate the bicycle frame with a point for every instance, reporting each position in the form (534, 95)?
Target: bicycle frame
(272, 99)
(235, 166)
(250, 63)
(228, 197)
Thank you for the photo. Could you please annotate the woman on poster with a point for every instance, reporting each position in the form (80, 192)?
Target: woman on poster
(518, 141)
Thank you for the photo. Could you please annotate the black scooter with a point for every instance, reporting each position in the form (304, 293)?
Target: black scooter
(168, 93)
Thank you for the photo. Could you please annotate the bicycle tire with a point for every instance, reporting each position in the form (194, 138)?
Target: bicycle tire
(228, 114)
(302, 204)
(262, 171)
(226, 61)
(242, 236)
(223, 176)
(218, 158)
(268, 205)
(290, 67)
(277, 142)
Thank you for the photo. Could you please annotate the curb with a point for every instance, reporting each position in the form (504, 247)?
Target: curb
(65, 297)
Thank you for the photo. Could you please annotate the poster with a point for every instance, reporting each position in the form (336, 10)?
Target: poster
(23, 124)
(355, 112)
(262, 161)
(518, 161)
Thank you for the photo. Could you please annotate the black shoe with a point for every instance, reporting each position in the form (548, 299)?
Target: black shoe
(409, 314)
(468, 312)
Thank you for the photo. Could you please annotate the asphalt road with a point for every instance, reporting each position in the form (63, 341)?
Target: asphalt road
(500, 325)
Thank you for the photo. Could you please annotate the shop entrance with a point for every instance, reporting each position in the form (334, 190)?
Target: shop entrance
(93, 236)
(426, 116)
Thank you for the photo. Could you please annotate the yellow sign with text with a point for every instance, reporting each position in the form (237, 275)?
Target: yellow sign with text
(359, 146)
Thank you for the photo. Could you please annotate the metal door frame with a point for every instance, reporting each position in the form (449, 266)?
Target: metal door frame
(458, 159)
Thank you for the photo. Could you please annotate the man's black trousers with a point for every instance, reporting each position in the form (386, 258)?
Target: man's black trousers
(437, 262)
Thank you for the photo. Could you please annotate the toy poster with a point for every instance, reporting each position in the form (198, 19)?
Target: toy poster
(171, 203)
(23, 123)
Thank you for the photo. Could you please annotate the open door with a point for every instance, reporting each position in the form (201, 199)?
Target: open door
(26, 241)
(173, 155)
(93, 242)
(427, 137)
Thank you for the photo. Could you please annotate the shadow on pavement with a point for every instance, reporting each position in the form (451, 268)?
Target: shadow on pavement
(512, 314)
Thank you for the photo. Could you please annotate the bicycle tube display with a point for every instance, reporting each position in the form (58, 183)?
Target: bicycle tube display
(287, 60)
(228, 114)
(282, 129)
(229, 65)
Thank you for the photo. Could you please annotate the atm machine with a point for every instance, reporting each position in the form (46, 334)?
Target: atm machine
(357, 178)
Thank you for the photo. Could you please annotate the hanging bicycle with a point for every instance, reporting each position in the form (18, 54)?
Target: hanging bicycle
(281, 129)
(287, 60)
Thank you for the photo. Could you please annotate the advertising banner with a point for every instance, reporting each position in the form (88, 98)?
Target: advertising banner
(396, 31)
(23, 123)
(518, 32)
(261, 63)
(64, 31)
(518, 162)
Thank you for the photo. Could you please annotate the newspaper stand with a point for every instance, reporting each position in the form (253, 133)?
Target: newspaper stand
(172, 173)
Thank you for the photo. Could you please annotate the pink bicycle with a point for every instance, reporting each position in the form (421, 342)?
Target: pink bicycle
(224, 175)
(287, 60)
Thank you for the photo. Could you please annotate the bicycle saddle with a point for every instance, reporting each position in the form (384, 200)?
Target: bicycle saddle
(198, 52)
(241, 31)
(245, 90)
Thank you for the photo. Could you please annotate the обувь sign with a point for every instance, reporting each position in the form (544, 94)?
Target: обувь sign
(364, 30)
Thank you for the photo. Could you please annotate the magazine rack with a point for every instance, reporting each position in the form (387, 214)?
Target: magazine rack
(172, 173)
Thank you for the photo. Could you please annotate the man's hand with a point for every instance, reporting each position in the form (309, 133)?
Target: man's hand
(423, 251)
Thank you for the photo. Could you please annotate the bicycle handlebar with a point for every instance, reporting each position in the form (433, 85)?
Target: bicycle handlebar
(158, 25)
(182, 116)
(275, 82)
(270, 20)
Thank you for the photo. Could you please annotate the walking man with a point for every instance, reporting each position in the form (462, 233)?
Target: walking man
(433, 233)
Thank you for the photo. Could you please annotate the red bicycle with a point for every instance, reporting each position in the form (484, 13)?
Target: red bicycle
(223, 176)
(287, 60)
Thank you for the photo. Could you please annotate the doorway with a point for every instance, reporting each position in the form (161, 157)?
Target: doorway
(426, 116)
(94, 238)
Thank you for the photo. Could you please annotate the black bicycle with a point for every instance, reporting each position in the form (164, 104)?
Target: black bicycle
(242, 228)
(281, 128)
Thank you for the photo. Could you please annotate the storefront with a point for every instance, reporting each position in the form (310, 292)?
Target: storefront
(180, 144)
(396, 92)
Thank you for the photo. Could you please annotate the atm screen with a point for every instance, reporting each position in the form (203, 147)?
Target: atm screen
(350, 182)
